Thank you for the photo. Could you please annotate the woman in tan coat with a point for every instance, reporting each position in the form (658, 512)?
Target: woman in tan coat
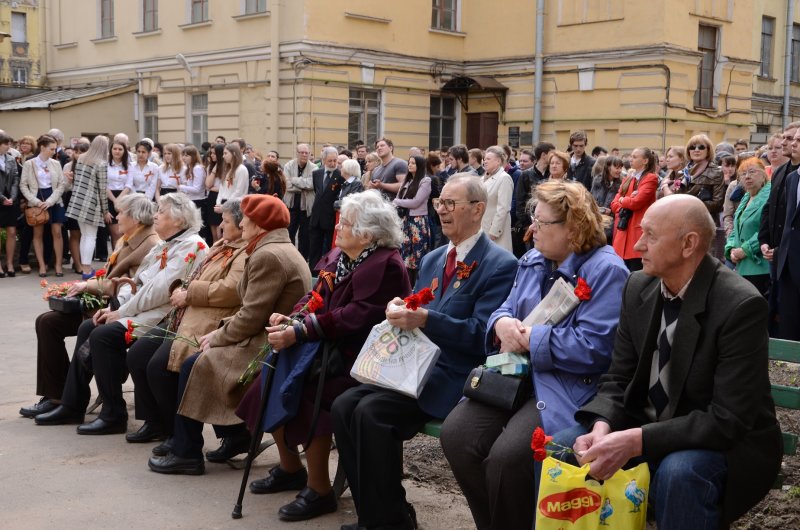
(275, 277)
(135, 214)
(210, 296)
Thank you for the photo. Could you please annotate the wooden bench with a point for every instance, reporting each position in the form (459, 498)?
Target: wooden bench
(787, 397)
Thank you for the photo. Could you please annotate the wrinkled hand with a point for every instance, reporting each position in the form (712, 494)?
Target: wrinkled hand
(280, 337)
(737, 255)
(107, 317)
(608, 454)
(401, 317)
(76, 289)
(513, 335)
(276, 319)
(205, 341)
(178, 297)
(767, 252)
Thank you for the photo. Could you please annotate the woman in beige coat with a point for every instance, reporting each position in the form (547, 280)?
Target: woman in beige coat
(210, 296)
(42, 184)
(500, 189)
(275, 277)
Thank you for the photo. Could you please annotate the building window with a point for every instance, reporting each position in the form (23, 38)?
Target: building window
(199, 11)
(19, 75)
(106, 18)
(795, 53)
(19, 27)
(364, 116)
(199, 118)
(767, 38)
(150, 128)
(149, 15)
(707, 45)
(444, 15)
(443, 122)
(251, 7)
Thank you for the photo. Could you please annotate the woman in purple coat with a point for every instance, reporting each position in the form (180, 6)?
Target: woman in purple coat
(356, 281)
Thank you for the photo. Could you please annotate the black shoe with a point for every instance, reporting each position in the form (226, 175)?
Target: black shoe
(44, 406)
(280, 480)
(164, 448)
(146, 433)
(176, 465)
(230, 447)
(101, 426)
(11, 273)
(60, 415)
(307, 505)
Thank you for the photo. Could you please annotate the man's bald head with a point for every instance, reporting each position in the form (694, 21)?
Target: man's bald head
(688, 212)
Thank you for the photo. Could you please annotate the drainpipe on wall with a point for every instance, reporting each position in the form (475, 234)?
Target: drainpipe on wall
(274, 71)
(538, 73)
(787, 65)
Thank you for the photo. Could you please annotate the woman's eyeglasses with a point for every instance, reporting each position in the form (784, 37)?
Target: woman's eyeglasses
(698, 147)
(539, 224)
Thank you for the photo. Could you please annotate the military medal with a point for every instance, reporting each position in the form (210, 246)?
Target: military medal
(456, 285)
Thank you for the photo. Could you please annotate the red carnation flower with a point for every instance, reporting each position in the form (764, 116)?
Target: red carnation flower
(315, 302)
(538, 442)
(201, 245)
(414, 301)
(100, 273)
(582, 290)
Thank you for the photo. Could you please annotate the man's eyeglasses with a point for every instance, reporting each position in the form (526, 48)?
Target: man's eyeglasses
(539, 224)
(698, 147)
(450, 204)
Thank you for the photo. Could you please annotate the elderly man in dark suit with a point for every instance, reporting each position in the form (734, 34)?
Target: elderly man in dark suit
(788, 271)
(688, 389)
(371, 423)
(327, 183)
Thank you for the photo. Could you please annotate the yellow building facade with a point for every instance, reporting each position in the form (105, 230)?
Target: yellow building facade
(425, 73)
(22, 57)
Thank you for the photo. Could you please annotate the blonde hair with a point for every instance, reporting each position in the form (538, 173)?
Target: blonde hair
(564, 157)
(97, 153)
(572, 202)
(177, 163)
(701, 139)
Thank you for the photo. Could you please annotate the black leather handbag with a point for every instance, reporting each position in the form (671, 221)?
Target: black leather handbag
(505, 392)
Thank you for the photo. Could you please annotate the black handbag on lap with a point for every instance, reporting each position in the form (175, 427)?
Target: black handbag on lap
(505, 392)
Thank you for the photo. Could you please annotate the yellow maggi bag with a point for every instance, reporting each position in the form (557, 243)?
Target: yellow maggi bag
(569, 500)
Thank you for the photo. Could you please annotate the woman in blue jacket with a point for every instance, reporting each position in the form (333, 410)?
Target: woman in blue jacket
(494, 465)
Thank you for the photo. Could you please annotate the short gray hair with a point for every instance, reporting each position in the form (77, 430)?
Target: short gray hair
(351, 168)
(138, 207)
(233, 207)
(329, 151)
(473, 185)
(374, 217)
(182, 209)
(57, 135)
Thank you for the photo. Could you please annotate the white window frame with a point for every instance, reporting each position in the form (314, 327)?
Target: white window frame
(190, 11)
(150, 116)
(244, 6)
(100, 26)
(456, 118)
(143, 16)
(19, 27)
(365, 111)
(198, 120)
(457, 21)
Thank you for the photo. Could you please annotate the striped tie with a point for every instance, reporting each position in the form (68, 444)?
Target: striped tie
(659, 372)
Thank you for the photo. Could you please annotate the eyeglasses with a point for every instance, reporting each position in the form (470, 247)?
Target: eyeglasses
(753, 173)
(450, 204)
(539, 224)
(698, 147)
(343, 222)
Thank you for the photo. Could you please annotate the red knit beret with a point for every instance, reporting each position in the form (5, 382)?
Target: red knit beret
(266, 211)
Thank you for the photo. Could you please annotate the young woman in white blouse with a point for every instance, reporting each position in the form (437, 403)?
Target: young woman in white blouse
(215, 172)
(236, 179)
(42, 184)
(143, 174)
(195, 182)
(117, 178)
(172, 172)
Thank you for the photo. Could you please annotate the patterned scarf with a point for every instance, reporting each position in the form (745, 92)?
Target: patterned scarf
(251, 246)
(345, 265)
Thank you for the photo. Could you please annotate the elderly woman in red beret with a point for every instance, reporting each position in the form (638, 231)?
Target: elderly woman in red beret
(275, 276)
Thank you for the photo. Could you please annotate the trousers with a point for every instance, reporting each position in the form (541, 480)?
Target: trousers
(155, 388)
(52, 360)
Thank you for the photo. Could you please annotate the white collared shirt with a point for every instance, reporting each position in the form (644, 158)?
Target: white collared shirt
(681, 294)
(463, 248)
(43, 173)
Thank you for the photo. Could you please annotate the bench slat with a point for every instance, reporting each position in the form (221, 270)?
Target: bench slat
(784, 350)
(789, 443)
(786, 396)
(433, 428)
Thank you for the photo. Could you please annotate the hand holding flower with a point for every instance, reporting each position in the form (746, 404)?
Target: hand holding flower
(178, 297)
(281, 337)
(76, 288)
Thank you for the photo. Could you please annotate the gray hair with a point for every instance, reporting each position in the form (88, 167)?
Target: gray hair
(57, 135)
(122, 137)
(233, 207)
(351, 168)
(329, 151)
(183, 210)
(374, 217)
(497, 151)
(138, 207)
(472, 183)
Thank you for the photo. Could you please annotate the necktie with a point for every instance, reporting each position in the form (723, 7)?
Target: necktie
(327, 179)
(659, 371)
(449, 269)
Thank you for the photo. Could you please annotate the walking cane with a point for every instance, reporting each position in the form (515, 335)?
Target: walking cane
(255, 441)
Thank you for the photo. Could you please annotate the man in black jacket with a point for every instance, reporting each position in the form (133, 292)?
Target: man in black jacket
(327, 183)
(580, 167)
(773, 216)
(528, 180)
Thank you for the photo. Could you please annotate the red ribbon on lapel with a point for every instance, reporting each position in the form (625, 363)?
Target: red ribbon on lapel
(328, 277)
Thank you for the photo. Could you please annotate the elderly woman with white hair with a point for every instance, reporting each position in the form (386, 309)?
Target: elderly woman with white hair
(110, 332)
(357, 280)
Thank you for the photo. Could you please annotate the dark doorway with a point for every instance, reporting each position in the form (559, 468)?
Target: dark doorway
(482, 129)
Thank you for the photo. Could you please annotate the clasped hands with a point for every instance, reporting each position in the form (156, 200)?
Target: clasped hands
(513, 335)
(399, 316)
(606, 451)
(105, 316)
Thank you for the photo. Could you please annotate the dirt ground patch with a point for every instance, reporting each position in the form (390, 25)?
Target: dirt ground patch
(425, 464)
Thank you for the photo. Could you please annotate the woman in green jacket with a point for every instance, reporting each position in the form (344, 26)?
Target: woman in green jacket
(742, 247)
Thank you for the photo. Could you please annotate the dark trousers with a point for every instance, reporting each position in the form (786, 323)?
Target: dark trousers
(52, 360)
(760, 282)
(101, 243)
(788, 306)
(108, 348)
(298, 225)
(517, 244)
(774, 289)
(319, 244)
(155, 388)
(370, 425)
(490, 456)
(187, 438)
